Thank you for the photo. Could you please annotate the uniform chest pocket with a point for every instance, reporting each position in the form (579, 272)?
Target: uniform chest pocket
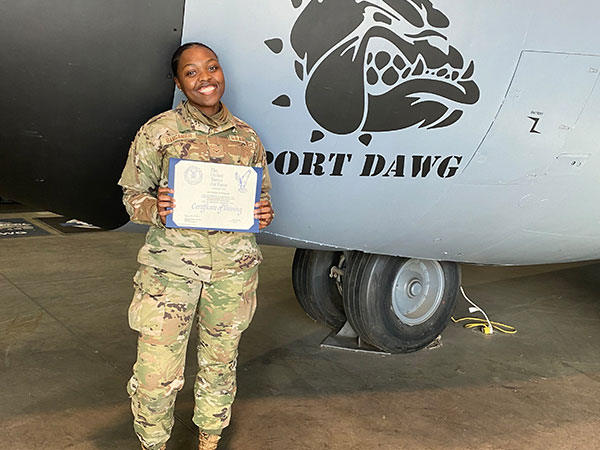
(147, 310)
(239, 154)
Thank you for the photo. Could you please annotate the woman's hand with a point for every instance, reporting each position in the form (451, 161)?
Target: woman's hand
(164, 201)
(264, 213)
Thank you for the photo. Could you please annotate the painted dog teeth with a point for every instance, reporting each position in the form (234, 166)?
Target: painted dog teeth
(380, 65)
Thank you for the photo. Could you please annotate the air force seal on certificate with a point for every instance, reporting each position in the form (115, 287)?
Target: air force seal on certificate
(193, 175)
(214, 196)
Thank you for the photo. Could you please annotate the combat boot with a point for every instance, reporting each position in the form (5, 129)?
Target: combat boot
(208, 441)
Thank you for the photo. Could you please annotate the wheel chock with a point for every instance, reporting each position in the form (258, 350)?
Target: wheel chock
(347, 339)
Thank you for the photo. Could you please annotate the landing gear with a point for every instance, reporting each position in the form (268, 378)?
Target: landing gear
(316, 276)
(398, 305)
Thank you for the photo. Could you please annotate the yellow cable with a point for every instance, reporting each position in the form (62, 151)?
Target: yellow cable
(483, 325)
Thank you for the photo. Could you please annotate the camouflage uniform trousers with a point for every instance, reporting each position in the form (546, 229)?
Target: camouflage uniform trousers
(162, 310)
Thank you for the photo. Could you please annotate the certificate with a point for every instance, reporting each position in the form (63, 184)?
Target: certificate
(214, 196)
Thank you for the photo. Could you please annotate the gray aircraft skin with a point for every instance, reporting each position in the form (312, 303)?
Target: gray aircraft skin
(403, 136)
(512, 181)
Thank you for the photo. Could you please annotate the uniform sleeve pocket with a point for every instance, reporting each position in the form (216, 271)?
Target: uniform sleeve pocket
(147, 309)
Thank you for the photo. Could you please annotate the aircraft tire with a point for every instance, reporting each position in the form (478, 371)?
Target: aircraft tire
(354, 267)
(316, 292)
(399, 305)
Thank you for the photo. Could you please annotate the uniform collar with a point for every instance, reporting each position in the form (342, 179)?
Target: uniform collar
(190, 118)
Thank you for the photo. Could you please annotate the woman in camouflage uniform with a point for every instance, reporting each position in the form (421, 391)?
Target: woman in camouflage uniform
(183, 270)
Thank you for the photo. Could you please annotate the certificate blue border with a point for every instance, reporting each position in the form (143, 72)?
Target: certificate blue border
(253, 229)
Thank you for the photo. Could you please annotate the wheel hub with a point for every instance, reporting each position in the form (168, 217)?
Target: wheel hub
(414, 288)
(418, 291)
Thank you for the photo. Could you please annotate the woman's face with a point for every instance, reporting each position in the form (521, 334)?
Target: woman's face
(201, 79)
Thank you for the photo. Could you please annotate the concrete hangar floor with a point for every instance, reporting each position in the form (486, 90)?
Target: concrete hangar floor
(66, 353)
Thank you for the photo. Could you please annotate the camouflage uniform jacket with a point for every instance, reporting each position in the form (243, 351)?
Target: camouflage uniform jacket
(198, 254)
